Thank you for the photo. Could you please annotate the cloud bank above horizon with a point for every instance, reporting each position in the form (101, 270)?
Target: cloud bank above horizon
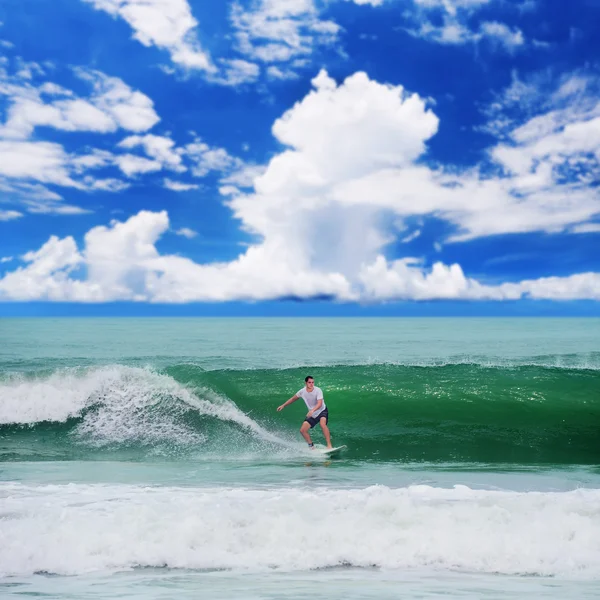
(350, 187)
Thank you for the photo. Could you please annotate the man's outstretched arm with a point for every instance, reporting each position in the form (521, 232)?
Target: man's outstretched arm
(288, 402)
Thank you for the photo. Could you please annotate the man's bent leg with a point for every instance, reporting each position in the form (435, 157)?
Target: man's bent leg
(304, 431)
(323, 423)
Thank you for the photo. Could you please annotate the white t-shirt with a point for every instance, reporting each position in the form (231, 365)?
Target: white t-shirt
(311, 399)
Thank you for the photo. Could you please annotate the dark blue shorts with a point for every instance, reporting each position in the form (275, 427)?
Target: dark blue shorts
(312, 421)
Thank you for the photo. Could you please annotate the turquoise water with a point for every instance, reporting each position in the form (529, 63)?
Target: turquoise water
(145, 458)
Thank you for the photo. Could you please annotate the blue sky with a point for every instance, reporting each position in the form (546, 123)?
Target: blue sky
(299, 157)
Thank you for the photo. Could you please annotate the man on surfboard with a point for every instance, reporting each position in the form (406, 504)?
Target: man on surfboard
(317, 410)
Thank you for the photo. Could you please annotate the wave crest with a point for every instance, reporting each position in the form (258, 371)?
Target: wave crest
(121, 405)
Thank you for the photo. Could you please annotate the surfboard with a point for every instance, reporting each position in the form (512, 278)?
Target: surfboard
(332, 451)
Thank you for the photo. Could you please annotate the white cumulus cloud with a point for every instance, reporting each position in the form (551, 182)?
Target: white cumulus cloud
(47, 273)
(131, 109)
(110, 105)
(161, 149)
(166, 24)
(123, 263)
(351, 174)
(29, 165)
(132, 165)
(38, 161)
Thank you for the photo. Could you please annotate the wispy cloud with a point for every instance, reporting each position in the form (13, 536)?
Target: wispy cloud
(9, 215)
(235, 72)
(28, 165)
(276, 32)
(187, 233)
(586, 228)
(178, 186)
(449, 22)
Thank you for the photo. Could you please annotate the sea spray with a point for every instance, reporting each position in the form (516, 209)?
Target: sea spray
(121, 405)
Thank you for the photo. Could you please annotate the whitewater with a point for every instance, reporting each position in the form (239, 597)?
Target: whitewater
(145, 457)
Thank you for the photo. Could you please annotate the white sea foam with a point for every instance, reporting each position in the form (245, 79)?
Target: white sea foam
(76, 529)
(124, 405)
(56, 397)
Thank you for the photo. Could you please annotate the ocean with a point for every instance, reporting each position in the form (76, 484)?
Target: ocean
(145, 458)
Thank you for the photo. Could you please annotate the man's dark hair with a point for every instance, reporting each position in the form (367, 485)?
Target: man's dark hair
(308, 377)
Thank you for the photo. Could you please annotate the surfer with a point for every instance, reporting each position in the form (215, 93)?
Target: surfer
(317, 410)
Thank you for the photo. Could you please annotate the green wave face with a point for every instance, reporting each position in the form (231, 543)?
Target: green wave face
(458, 413)
(453, 413)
